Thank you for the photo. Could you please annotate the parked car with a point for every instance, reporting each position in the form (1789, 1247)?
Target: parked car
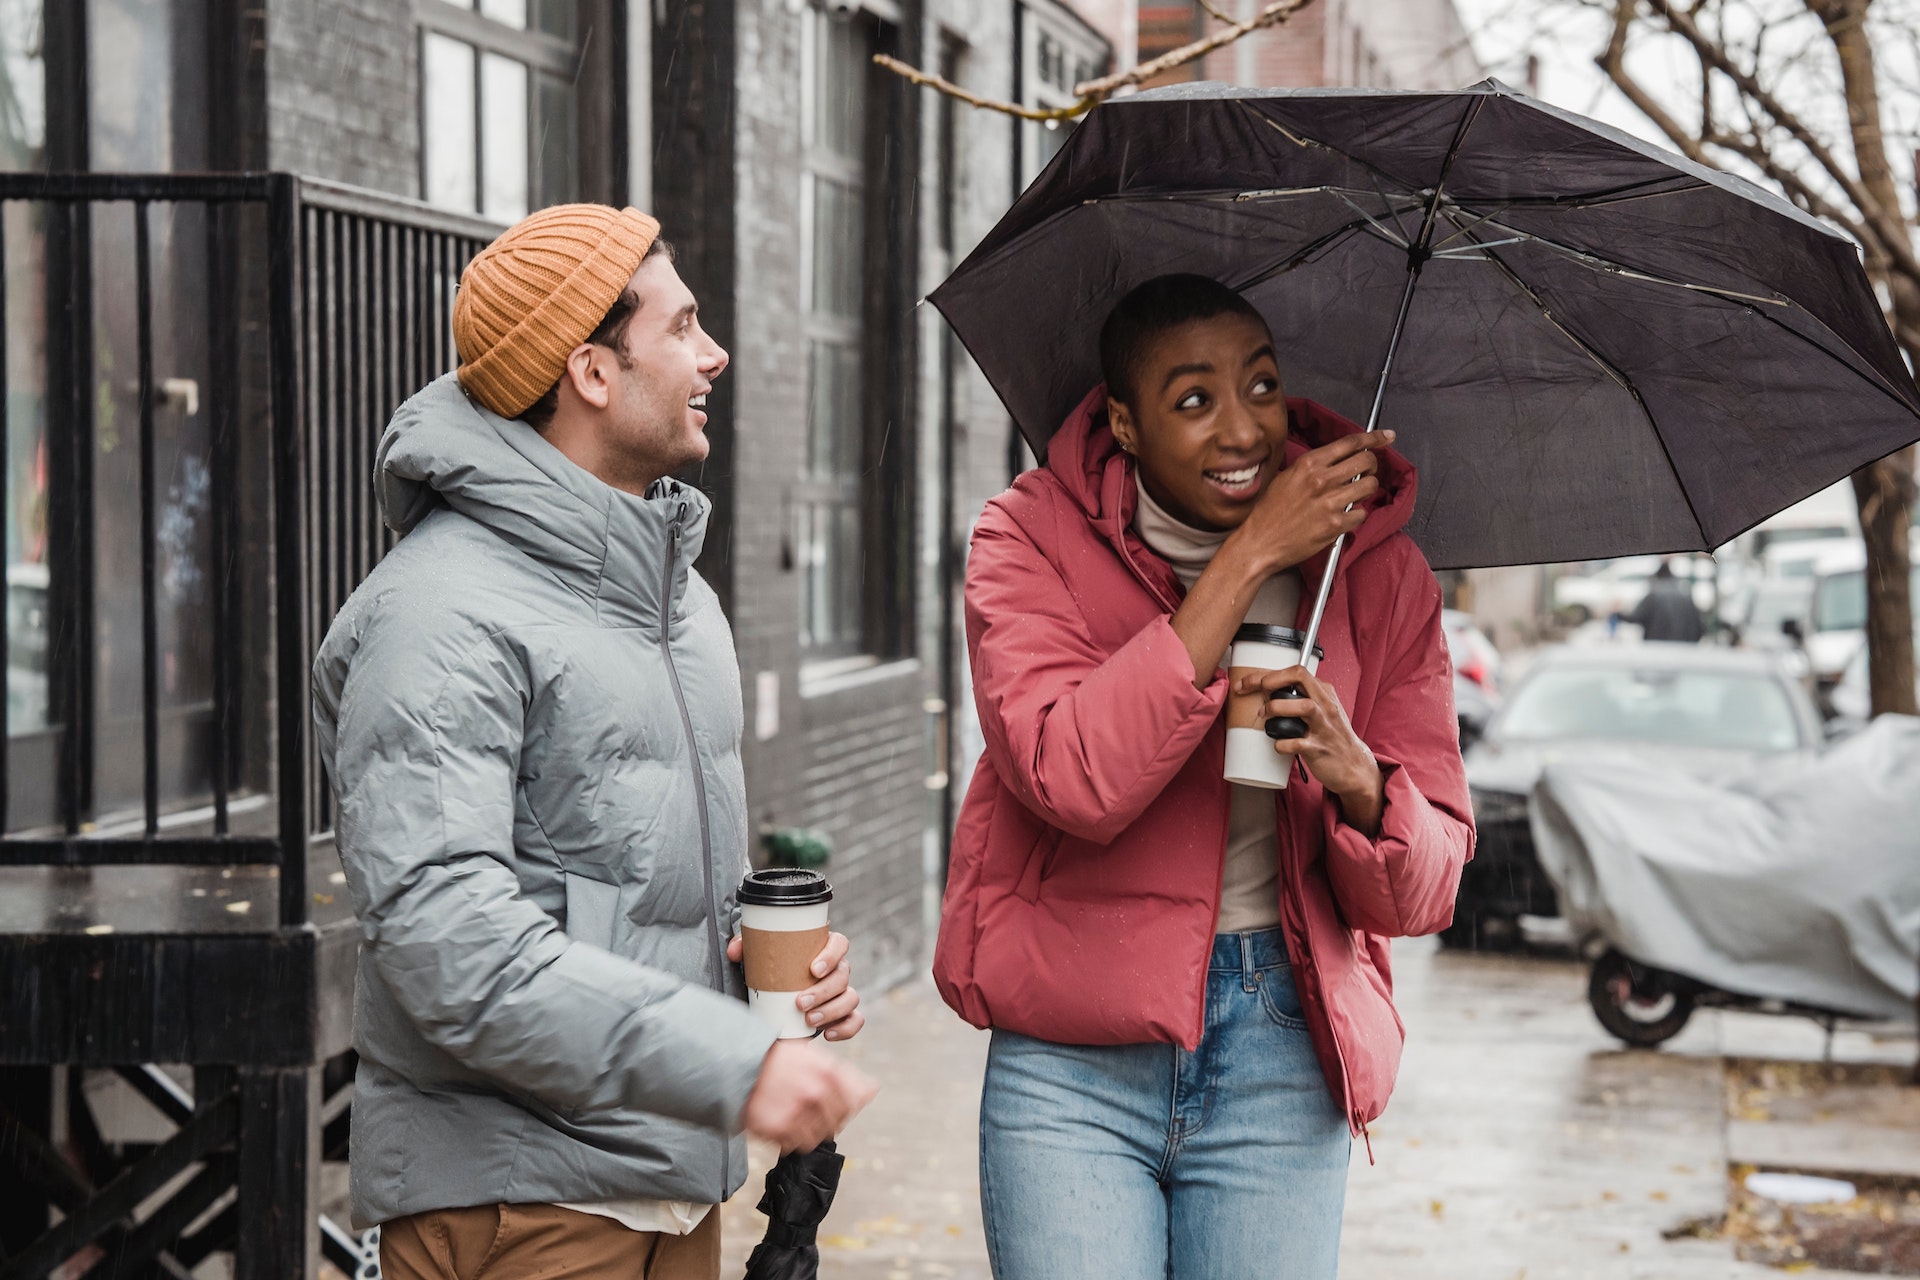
(1800, 558)
(1770, 614)
(1615, 586)
(1851, 699)
(1704, 710)
(1839, 613)
(1476, 674)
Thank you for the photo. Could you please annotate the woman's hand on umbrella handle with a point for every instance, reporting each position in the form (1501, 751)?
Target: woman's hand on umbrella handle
(1311, 503)
(1332, 752)
(804, 1096)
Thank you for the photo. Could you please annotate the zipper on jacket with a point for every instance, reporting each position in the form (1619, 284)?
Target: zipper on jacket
(717, 954)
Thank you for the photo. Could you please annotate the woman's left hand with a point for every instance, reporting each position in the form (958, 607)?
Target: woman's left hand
(1331, 750)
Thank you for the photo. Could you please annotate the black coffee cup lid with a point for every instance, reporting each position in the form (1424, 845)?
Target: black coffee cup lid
(1267, 633)
(784, 887)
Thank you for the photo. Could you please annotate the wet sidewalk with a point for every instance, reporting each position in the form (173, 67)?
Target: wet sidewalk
(1523, 1142)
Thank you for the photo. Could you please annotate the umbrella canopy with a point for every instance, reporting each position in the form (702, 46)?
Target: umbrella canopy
(1599, 347)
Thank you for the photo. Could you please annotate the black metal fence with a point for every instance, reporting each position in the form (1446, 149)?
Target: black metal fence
(310, 310)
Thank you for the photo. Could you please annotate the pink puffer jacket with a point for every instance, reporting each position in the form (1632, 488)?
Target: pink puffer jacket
(1086, 865)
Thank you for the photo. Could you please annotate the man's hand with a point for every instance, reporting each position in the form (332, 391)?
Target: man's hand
(832, 1005)
(804, 1096)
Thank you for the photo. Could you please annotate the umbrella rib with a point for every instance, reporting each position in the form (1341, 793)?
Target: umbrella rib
(1614, 267)
(1877, 380)
(1596, 199)
(1417, 256)
(1300, 141)
(1618, 374)
(1287, 264)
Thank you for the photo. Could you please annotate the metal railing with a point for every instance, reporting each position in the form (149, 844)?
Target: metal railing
(353, 293)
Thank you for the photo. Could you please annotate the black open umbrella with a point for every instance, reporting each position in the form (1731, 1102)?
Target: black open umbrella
(1588, 345)
(800, 1189)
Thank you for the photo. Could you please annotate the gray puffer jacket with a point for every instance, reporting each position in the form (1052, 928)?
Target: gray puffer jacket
(530, 714)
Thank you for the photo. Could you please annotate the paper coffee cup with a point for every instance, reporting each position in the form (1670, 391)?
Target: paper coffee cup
(783, 928)
(1257, 649)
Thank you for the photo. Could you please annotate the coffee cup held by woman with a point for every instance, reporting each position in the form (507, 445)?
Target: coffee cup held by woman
(1188, 980)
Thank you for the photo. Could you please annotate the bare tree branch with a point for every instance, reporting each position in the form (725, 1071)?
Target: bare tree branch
(1091, 93)
(1889, 233)
(1613, 61)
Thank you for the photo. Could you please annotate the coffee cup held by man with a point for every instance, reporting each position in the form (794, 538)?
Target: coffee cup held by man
(530, 714)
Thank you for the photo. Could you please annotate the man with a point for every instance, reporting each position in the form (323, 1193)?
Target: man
(1667, 611)
(530, 713)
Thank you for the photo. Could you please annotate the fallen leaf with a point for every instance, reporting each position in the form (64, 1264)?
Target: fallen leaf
(1609, 1196)
(852, 1244)
(1437, 1208)
(1661, 1196)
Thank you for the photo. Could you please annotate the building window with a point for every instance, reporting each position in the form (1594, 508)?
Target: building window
(838, 55)
(1060, 52)
(499, 105)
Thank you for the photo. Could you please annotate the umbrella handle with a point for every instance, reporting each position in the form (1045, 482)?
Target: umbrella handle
(1287, 728)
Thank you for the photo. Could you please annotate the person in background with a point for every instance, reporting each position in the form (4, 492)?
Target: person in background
(1188, 980)
(1667, 611)
(530, 715)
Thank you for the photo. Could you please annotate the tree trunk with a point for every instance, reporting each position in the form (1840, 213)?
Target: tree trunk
(1884, 491)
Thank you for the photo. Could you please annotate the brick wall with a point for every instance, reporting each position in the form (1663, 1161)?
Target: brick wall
(850, 757)
(370, 136)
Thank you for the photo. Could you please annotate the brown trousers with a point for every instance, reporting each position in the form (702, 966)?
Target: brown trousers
(525, 1241)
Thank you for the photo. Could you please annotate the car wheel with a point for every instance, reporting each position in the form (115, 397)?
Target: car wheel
(1638, 1004)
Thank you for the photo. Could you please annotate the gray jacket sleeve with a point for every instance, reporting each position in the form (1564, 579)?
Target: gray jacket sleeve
(425, 780)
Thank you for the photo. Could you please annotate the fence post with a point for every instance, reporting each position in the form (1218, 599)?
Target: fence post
(289, 590)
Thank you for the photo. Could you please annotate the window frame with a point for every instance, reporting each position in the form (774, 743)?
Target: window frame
(882, 491)
(541, 54)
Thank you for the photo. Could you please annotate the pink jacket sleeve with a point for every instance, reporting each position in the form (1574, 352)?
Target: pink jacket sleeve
(1403, 882)
(1086, 739)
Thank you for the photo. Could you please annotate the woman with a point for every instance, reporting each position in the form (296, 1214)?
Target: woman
(1187, 980)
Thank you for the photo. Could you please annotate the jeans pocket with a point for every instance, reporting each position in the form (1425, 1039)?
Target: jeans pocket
(1280, 1000)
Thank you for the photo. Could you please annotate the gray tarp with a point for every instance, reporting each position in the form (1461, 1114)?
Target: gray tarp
(1794, 881)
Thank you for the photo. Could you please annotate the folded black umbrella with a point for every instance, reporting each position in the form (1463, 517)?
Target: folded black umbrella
(1588, 345)
(799, 1192)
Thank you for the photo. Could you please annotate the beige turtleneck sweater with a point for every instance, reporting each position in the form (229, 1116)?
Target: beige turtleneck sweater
(1250, 884)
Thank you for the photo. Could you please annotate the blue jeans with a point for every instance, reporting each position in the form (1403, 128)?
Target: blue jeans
(1146, 1162)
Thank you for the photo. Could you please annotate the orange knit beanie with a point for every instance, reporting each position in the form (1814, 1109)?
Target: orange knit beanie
(539, 291)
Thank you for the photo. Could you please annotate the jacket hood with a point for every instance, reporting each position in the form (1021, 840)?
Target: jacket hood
(444, 448)
(1098, 474)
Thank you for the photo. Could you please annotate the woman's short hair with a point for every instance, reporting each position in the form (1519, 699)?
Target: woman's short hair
(1162, 303)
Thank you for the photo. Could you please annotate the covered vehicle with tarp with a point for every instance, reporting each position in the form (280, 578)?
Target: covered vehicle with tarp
(1793, 883)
